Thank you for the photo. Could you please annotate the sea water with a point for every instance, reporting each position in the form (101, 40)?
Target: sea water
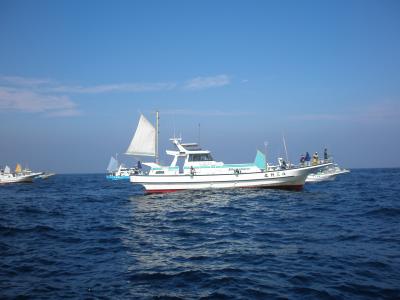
(81, 236)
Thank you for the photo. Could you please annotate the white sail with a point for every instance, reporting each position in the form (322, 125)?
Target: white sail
(144, 140)
(112, 165)
(7, 170)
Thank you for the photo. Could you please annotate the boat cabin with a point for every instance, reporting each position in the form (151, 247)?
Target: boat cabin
(197, 162)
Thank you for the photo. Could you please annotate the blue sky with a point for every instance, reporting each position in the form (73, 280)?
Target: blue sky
(75, 75)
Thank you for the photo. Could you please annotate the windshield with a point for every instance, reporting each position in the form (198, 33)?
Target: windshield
(200, 157)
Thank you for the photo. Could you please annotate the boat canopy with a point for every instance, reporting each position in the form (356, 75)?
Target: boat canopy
(144, 141)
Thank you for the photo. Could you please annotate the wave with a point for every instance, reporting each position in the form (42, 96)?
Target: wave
(384, 212)
(11, 231)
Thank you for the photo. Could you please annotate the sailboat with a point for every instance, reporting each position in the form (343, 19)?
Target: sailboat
(118, 171)
(201, 171)
(139, 146)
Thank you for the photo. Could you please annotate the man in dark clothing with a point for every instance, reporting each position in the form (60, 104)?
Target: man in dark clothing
(308, 158)
(302, 160)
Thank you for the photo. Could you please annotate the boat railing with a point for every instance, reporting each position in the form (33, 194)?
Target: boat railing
(309, 164)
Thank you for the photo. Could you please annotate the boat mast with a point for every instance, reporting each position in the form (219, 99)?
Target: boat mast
(157, 133)
(284, 144)
(266, 161)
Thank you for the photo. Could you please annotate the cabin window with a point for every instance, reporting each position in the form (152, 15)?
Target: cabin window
(200, 157)
(159, 172)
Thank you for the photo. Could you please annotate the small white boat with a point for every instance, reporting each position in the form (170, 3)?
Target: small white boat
(201, 171)
(326, 174)
(118, 171)
(46, 175)
(7, 177)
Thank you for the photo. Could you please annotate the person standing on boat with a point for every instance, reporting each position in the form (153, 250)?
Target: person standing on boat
(192, 171)
(326, 155)
(302, 160)
(307, 158)
(315, 159)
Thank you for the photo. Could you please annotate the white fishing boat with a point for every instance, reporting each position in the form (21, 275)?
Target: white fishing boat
(326, 174)
(7, 177)
(27, 171)
(46, 175)
(201, 171)
(118, 171)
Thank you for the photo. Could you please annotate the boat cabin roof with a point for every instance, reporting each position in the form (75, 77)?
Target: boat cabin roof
(191, 147)
(185, 149)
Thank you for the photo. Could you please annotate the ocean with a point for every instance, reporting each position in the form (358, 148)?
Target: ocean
(81, 236)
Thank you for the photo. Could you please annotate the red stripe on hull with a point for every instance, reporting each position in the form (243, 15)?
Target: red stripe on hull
(283, 187)
(286, 187)
(162, 191)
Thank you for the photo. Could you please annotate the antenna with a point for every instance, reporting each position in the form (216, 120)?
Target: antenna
(199, 135)
(173, 123)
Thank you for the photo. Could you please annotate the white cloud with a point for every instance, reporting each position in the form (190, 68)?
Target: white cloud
(32, 102)
(36, 95)
(384, 110)
(217, 113)
(51, 86)
(320, 117)
(378, 111)
(23, 81)
(65, 113)
(109, 88)
(200, 83)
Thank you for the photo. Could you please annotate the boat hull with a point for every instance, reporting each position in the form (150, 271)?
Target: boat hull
(292, 179)
(111, 177)
(319, 177)
(6, 179)
(46, 175)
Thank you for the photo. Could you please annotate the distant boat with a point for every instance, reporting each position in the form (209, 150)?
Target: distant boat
(7, 177)
(27, 171)
(46, 175)
(118, 171)
(201, 171)
(326, 174)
